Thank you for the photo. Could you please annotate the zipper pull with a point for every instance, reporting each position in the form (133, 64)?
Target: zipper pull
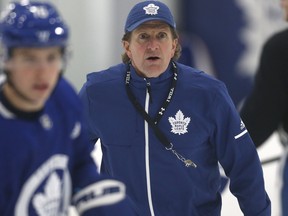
(148, 85)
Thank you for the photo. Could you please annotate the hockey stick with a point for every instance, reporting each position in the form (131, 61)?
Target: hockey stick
(270, 160)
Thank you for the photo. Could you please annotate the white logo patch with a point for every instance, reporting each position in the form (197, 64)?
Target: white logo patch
(179, 123)
(43, 36)
(76, 130)
(46, 122)
(48, 202)
(45, 191)
(151, 9)
(242, 125)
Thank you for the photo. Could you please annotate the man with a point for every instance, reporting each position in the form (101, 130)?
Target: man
(265, 109)
(164, 126)
(45, 162)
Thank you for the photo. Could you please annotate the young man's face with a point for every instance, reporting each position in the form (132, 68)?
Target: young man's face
(32, 74)
(151, 48)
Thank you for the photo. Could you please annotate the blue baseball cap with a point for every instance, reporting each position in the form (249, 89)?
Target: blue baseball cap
(148, 11)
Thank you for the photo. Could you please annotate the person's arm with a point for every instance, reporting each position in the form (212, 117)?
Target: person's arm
(88, 120)
(95, 194)
(238, 157)
(265, 107)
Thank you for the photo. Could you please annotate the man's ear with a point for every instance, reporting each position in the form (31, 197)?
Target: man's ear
(174, 46)
(126, 46)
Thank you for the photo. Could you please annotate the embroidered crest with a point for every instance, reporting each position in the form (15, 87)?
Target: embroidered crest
(48, 202)
(151, 9)
(179, 123)
(47, 190)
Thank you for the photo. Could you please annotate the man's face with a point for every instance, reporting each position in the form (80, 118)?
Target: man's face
(151, 48)
(32, 76)
(284, 5)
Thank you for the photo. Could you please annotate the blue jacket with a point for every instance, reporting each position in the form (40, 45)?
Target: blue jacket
(203, 125)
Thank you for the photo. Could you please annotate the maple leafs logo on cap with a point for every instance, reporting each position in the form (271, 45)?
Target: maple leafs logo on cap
(151, 9)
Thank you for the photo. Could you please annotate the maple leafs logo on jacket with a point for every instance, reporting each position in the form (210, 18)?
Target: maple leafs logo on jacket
(179, 123)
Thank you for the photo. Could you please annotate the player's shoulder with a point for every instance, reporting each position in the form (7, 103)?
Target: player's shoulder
(204, 85)
(198, 79)
(65, 95)
(110, 74)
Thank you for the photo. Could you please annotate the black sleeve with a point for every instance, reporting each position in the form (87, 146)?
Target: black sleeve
(266, 106)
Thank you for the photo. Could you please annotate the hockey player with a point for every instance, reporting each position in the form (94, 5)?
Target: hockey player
(165, 126)
(45, 161)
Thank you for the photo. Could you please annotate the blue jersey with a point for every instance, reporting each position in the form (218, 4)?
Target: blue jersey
(202, 124)
(45, 161)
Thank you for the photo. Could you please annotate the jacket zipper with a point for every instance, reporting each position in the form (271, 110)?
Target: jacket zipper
(146, 126)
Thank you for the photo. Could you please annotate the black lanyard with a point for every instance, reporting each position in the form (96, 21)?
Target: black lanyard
(153, 122)
(165, 102)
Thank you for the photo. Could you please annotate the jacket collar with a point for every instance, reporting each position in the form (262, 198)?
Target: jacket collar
(135, 78)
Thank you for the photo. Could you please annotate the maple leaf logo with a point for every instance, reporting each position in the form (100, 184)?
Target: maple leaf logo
(151, 9)
(47, 203)
(179, 123)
